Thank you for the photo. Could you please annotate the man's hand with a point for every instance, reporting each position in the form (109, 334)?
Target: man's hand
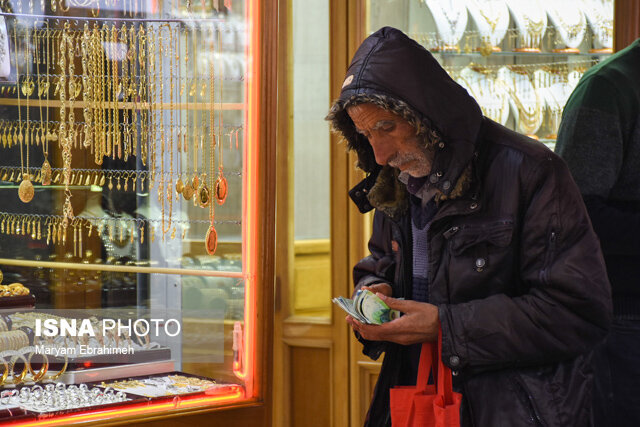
(383, 288)
(418, 324)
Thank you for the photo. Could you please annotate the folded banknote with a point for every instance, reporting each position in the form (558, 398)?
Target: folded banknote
(367, 307)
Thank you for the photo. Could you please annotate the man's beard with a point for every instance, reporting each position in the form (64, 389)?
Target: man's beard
(421, 165)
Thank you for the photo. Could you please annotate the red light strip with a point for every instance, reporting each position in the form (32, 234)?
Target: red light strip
(137, 409)
(250, 201)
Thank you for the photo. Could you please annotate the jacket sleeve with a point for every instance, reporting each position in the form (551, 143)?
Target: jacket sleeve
(564, 308)
(378, 267)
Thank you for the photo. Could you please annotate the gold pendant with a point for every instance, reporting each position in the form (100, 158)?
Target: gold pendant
(195, 182)
(45, 172)
(222, 189)
(203, 196)
(187, 192)
(26, 191)
(211, 240)
(179, 186)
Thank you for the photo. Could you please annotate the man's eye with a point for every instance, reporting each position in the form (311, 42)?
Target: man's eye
(388, 127)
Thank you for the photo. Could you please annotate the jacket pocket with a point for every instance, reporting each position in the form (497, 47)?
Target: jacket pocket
(477, 253)
(495, 233)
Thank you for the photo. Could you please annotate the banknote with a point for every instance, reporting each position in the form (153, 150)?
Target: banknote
(367, 307)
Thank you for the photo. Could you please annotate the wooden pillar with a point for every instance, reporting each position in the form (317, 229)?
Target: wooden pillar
(626, 23)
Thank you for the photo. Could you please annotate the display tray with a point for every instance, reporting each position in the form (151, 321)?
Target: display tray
(170, 384)
(10, 415)
(22, 301)
(20, 410)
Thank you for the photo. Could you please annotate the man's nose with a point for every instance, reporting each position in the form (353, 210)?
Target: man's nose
(382, 150)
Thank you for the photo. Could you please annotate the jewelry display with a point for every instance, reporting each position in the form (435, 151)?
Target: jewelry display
(531, 21)
(45, 135)
(221, 185)
(492, 97)
(13, 290)
(451, 20)
(5, 57)
(599, 13)
(492, 19)
(526, 102)
(25, 190)
(57, 397)
(211, 238)
(570, 25)
(127, 111)
(168, 385)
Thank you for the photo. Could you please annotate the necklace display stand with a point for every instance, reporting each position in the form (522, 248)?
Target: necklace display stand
(569, 23)
(450, 17)
(492, 19)
(5, 56)
(524, 99)
(492, 97)
(599, 13)
(531, 21)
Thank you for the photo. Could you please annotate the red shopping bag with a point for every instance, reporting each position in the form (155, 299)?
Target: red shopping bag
(427, 405)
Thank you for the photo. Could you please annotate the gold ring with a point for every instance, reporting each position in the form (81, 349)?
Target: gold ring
(43, 370)
(64, 368)
(19, 379)
(5, 373)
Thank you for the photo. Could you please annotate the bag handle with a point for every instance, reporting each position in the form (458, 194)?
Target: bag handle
(424, 367)
(444, 381)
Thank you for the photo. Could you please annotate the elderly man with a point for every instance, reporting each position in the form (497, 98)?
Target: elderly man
(481, 231)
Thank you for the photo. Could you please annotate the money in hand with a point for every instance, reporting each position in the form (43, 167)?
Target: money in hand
(367, 307)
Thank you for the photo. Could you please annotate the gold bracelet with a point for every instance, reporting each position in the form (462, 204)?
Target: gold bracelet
(5, 373)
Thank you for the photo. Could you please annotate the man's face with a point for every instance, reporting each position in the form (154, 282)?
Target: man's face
(392, 138)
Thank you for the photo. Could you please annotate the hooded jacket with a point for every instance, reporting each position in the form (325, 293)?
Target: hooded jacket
(513, 264)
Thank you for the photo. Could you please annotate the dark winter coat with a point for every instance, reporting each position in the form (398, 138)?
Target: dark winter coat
(514, 266)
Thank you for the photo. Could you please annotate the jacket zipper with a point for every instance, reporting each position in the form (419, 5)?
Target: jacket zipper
(532, 410)
(549, 257)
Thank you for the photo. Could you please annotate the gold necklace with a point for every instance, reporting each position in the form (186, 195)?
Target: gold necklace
(533, 34)
(573, 30)
(222, 187)
(179, 183)
(211, 238)
(25, 190)
(67, 209)
(492, 23)
(45, 170)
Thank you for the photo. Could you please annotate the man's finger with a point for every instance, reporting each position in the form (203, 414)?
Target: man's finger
(396, 304)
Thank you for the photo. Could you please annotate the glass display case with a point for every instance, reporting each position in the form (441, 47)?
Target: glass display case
(519, 59)
(130, 205)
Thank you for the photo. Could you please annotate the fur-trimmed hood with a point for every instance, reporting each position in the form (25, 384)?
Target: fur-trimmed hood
(396, 73)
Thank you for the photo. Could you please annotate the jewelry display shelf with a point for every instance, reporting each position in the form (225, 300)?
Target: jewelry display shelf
(92, 362)
(22, 301)
(523, 54)
(121, 371)
(151, 391)
(153, 383)
(18, 410)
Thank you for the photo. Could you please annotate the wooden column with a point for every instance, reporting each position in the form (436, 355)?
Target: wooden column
(626, 23)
